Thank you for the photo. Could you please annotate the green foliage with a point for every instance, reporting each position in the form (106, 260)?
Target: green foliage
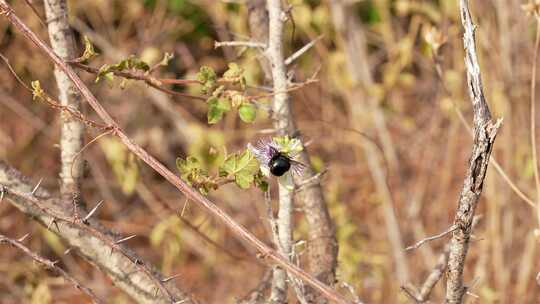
(208, 79)
(247, 112)
(222, 98)
(130, 63)
(242, 167)
(369, 12)
(261, 182)
(216, 108)
(235, 75)
(288, 145)
(192, 172)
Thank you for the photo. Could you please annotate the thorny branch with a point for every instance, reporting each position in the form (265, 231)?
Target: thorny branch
(485, 131)
(94, 242)
(191, 193)
(51, 265)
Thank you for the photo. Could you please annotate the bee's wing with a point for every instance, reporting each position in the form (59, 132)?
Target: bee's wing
(297, 167)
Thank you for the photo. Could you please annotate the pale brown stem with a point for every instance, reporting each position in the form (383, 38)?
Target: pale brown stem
(485, 131)
(71, 137)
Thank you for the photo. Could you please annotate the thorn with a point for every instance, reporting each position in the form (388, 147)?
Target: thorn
(36, 187)
(22, 238)
(2, 192)
(180, 302)
(301, 51)
(125, 239)
(55, 262)
(167, 279)
(89, 215)
(184, 208)
(53, 220)
(68, 251)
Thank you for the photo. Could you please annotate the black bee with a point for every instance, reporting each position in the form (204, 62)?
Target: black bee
(276, 161)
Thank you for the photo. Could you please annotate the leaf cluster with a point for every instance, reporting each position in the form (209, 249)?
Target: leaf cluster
(242, 168)
(226, 93)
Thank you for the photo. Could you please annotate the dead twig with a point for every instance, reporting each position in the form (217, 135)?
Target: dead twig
(485, 131)
(51, 265)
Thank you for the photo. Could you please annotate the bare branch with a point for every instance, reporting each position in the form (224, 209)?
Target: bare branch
(301, 51)
(52, 266)
(251, 44)
(92, 241)
(431, 238)
(485, 131)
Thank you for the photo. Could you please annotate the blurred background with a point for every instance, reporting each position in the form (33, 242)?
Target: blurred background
(383, 119)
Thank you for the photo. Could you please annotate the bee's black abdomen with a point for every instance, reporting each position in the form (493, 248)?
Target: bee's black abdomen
(279, 164)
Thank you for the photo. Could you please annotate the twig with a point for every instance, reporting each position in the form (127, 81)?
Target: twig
(51, 265)
(251, 44)
(301, 51)
(6, 61)
(533, 120)
(431, 238)
(191, 193)
(94, 242)
(138, 75)
(485, 131)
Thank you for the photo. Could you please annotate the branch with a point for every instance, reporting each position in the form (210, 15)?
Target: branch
(71, 137)
(431, 238)
(485, 131)
(322, 244)
(192, 194)
(95, 243)
(251, 44)
(52, 265)
(154, 82)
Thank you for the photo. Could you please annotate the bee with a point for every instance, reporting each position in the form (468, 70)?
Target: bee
(272, 159)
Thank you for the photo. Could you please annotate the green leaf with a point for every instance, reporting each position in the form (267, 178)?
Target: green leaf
(288, 145)
(216, 108)
(132, 62)
(247, 112)
(208, 79)
(244, 181)
(243, 167)
(235, 74)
